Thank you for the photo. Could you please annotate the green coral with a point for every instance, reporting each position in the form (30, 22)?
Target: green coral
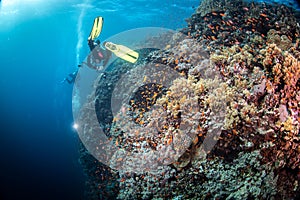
(244, 178)
(283, 42)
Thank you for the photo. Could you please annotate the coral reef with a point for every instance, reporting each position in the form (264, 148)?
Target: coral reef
(244, 178)
(237, 94)
(283, 42)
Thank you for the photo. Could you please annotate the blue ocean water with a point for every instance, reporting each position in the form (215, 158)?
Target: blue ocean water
(40, 43)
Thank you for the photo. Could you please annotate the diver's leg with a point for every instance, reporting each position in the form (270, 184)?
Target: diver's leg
(65, 79)
(69, 81)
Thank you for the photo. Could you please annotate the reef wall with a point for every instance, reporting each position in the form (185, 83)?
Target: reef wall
(239, 67)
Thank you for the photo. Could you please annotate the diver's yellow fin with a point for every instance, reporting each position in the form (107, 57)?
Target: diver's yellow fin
(122, 52)
(97, 28)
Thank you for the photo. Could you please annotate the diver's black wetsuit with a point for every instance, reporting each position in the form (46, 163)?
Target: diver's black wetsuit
(93, 44)
(72, 77)
(97, 55)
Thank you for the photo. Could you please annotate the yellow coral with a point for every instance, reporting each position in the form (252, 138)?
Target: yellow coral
(287, 125)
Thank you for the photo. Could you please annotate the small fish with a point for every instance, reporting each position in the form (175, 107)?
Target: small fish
(122, 180)
(263, 14)
(119, 159)
(234, 132)
(210, 26)
(213, 38)
(145, 78)
(169, 141)
(195, 141)
(245, 9)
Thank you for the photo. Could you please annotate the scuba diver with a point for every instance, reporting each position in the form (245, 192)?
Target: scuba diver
(99, 56)
(71, 77)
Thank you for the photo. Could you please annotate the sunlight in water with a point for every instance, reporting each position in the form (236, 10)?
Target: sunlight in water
(15, 11)
(10, 3)
(13, 7)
